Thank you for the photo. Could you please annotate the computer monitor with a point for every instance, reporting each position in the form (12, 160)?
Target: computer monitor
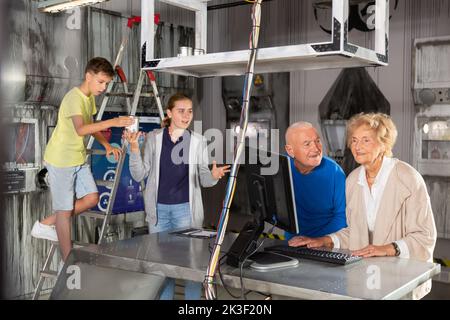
(270, 199)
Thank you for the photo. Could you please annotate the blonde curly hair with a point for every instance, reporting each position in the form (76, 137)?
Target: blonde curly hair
(381, 123)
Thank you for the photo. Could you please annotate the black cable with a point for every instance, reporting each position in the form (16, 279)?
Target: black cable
(245, 259)
(223, 282)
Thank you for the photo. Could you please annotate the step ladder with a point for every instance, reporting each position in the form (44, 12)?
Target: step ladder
(46, 272)
(114, 184)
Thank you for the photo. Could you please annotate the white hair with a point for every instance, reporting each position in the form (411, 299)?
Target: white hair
(297, 125)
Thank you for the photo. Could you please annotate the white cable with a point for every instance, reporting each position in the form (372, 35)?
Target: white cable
(210, 292)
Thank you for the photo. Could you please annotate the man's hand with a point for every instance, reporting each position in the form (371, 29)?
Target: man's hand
(375, 251)
(122, 121)
(113, 150)
(301, 241)
(217, 172)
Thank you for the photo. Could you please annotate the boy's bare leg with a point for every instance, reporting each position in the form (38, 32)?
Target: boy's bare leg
(63, 225)
(81, 205)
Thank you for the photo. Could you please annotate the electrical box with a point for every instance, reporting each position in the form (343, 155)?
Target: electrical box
(431, 71)
(23, 155)
(433, 141)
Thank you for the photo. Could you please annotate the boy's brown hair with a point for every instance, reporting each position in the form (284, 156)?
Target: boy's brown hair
(99, 64)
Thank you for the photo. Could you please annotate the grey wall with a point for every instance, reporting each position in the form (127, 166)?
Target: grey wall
(42, 47)
(292, 22)
(3, 228)
(46, 57)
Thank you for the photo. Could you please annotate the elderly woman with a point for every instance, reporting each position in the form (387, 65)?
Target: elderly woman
(388, 207)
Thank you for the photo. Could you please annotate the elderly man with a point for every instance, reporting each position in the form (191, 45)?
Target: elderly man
(318, 182)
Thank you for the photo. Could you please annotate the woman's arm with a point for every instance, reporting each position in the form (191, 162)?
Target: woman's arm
(139, 166)
(420, 228)
(206, 178)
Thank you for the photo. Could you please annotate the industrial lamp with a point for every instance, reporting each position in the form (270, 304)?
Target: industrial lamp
(53, 6)
(335, 136)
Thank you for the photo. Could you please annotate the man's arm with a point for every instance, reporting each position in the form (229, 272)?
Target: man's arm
(116, 152)
(86, 129)
(95, 128)
(101, 139)
(338, 220)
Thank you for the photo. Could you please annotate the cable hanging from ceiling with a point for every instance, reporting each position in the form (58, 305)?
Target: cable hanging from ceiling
(210, 291)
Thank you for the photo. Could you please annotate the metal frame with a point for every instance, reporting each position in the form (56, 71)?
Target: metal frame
(439, 43)
(337, 53)
(164, 254)
(148, 28)
(54, 6)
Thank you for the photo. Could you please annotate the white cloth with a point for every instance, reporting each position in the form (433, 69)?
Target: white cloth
(372, 199)
(373, 196)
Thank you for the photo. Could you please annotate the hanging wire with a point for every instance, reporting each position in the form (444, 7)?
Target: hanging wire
(210, 290)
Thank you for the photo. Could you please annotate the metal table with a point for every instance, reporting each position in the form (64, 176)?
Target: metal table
(157, 255)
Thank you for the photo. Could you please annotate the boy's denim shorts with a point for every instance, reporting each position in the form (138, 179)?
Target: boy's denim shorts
(66, 183)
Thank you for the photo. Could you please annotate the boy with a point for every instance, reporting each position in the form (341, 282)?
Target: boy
(65, 155)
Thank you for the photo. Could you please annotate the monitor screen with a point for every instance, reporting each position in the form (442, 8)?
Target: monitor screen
(271, 196)
(268, 197)
(277, 193)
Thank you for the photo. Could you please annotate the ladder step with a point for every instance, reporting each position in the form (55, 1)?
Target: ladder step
(49, 274)
(129, 95)
(96, 152)
(94, 214)
(105, 183)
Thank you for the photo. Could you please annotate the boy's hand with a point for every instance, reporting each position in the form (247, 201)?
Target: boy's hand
(133, 139)
(113, 150)
(122, 121)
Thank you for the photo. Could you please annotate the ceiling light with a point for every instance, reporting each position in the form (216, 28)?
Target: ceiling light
(61, 5)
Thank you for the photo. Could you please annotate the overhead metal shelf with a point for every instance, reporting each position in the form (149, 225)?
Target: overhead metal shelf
(276, 59)
(338, 53)
(329, 3)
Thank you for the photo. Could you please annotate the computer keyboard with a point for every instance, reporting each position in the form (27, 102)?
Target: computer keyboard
(325, 255)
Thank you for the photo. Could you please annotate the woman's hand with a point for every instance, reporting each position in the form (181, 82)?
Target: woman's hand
(301, 241)
(375, 251)
(133, 139)
(217, 172)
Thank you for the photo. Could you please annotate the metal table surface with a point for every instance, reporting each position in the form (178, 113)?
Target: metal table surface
(187, 258)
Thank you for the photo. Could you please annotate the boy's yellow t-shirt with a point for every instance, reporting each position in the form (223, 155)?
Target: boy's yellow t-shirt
(66, 148)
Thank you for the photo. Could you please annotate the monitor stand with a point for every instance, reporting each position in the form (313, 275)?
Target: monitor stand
(243, 248)
(265, 261)
(244, 244)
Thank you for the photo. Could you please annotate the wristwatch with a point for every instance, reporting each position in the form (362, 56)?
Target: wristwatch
(397, 249)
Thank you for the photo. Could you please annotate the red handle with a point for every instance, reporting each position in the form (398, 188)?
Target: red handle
(133, 20)
(137, 19)
(157, 18)
(121, 74)
(150, 75)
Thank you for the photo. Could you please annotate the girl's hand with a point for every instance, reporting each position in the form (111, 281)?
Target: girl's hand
(133, 139)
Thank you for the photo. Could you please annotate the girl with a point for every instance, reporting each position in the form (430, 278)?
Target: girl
(175, 161)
